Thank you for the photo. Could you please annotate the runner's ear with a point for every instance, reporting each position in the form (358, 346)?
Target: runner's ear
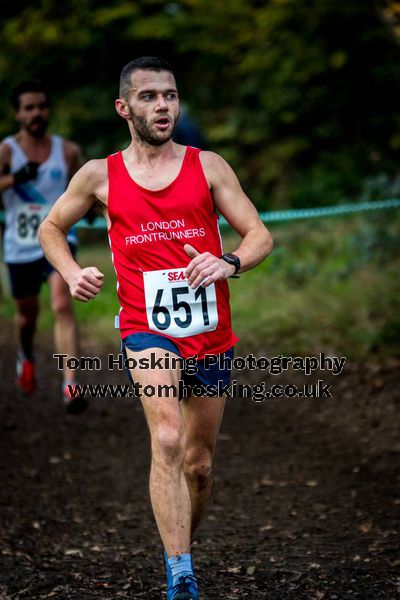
(190, 251)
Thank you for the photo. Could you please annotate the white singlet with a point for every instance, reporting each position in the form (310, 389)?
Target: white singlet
(26, 205)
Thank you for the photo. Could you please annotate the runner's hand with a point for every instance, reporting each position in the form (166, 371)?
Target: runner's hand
(28, 172)
(205, 268)
(86, 283)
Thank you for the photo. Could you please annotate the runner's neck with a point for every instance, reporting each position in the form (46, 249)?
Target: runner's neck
(152, 156)
(36, 149)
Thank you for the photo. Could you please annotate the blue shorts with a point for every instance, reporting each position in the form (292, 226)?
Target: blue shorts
(26, 278)
(213, 371)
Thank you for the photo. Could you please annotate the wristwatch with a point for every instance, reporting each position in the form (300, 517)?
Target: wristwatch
(232, 259)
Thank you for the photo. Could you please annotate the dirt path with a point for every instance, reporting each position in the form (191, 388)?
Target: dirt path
(306, 502)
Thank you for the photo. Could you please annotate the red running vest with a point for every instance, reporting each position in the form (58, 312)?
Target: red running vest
(148, 232)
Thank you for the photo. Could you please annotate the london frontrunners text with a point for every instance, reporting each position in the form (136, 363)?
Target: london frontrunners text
(164, 230)
(274, 365)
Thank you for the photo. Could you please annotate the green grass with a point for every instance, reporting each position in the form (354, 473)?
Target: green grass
(95, 318)
(330, 285)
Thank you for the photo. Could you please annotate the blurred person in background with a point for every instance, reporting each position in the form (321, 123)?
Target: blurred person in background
(187, 131)
(35, 169)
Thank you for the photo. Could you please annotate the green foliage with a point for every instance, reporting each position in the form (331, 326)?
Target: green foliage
(330, 285)
(300, 97)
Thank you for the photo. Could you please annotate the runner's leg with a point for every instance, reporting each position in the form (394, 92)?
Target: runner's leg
(169, 493)
(26, 318)
(202, 420)
(26, 279)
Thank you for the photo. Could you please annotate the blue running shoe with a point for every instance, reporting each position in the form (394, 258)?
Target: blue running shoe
(185, 589)
(169, 573)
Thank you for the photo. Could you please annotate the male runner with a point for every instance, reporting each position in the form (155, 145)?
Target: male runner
(160, 201)
(34, 171)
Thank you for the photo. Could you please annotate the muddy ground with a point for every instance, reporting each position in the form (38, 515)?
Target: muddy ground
(306, 501)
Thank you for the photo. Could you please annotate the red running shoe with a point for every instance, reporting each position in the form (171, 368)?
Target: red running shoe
(26, 380)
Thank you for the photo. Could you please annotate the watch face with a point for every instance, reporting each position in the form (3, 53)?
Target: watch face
(232, 259)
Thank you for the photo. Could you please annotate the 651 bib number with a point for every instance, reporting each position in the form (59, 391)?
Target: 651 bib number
(173, 308)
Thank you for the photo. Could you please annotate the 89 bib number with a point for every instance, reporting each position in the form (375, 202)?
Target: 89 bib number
(28, 220)
(173, 308)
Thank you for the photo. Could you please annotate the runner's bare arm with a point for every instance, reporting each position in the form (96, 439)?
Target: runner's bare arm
(80, 195)
(6, 178)
(241, 214)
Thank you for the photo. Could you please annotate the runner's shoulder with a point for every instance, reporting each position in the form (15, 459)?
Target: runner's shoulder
(90, 177)
(5, 153)
(214, 166)
(71, 149)
(95, 170)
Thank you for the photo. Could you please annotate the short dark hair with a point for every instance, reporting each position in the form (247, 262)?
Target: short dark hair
(26, 87)
(147, 63)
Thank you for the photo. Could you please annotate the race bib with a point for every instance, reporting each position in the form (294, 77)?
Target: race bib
(28, 220)
(173, 308)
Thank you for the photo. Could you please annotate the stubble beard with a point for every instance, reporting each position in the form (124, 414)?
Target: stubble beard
(143, 132)
(35, 131)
